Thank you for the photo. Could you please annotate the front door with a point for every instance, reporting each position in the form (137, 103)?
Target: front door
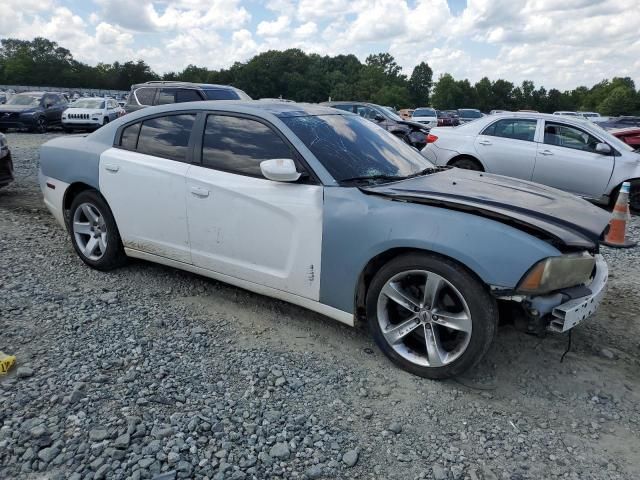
(245, 226)
(567, 159)
(143, 180)
(507, 147)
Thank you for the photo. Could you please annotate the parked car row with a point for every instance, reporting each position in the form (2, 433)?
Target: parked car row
(326, 208)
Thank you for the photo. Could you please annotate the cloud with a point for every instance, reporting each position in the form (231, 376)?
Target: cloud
(557, 44)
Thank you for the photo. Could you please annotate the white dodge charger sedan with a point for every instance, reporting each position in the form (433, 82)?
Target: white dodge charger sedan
(564, 152)
(326, 210)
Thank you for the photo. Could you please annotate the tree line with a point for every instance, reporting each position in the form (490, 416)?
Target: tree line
(296, 75)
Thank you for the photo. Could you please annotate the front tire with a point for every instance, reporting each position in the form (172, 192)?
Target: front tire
(94, 233)
(430, 316)
(41, 125)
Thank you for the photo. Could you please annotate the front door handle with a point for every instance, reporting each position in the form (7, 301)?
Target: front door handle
(546, 152)
(110, 167)
(484, 142)
(199, 192)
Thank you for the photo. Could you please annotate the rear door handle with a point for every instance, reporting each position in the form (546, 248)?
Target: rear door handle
(199, 192)
(110, 167)
(484, 142)
(546, 152)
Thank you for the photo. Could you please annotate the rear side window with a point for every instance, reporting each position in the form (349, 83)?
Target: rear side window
(167, 95)
(516, 129)
(129, 138)
(221, 94)
(145, 95)
(238, 145)
(187, 95)
(346, 108)
(166, 137)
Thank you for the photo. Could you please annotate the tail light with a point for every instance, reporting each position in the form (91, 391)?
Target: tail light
(431, 138)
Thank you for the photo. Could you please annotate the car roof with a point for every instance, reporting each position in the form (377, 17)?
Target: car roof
(348, 102)
(172, 83)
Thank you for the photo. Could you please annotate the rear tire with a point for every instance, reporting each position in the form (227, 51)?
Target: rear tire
(468, 163)
(94, 233)
(447, 327)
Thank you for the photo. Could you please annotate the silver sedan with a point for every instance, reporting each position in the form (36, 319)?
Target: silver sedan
(563, 152)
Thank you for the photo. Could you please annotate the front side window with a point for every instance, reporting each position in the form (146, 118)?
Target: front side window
(238, 145)
(569, 137)
(366, 112)
(352, 148)
(166, 137)
(515, 129)
(342, 106)
(145, 95)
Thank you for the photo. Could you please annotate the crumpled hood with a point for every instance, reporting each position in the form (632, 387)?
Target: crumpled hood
(17, 108)
(567, 218)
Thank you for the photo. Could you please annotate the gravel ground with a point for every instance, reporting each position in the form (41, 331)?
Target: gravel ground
(149, 372)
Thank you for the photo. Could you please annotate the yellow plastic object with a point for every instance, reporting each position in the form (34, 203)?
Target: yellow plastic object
(5, 362)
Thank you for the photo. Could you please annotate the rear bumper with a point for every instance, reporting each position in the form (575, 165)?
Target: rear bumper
(81, 124)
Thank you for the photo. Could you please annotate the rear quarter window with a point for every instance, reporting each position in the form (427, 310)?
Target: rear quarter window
(145, 95)
(221, 94)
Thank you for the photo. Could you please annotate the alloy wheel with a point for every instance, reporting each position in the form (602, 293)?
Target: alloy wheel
(90, 231)
(424, 318)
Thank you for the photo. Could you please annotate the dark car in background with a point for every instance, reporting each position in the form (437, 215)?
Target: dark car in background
(6, 165)
(162, 92)
(413, 133)
(469, 114)
(34, 111)
(620, 122)
(447, 119)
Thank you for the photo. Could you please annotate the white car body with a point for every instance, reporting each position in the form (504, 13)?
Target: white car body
(425, 115)
(76, 117)
(541, 157)
(567, 113)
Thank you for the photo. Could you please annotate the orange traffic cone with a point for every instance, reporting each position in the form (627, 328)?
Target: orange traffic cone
(617, 235)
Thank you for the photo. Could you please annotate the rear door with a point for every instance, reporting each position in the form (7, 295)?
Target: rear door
(245, 226)
(143, 179)
(507, 147)
(567, 159)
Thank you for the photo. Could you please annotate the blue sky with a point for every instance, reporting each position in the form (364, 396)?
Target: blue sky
(556, 44)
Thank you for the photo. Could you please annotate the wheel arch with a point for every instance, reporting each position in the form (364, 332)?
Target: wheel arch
(72, 192)
(467, 156)
(378, 261)
(613, 194)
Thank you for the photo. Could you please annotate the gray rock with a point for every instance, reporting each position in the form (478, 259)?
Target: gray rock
(280, 450)
(101, 473)
(265, 458)
(145, 462)
(48, 454)
(438, 473)
(122, 442)
(350, 458)
(173, 458)
(98, 434)
(608, 354)
(38, 431)
(24, 372)
(314, 472)
(395, 427)
(171, 475)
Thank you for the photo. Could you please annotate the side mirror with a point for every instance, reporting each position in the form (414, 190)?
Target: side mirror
(279, 170)
(603, 148)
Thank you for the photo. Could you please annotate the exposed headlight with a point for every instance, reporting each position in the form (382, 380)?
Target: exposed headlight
(554, 273)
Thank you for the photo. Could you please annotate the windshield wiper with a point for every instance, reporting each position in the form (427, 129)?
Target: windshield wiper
(373, 178)
(426, 171)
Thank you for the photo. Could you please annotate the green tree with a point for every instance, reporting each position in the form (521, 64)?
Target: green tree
(385, 62)
(621, 101)
(420, 84)
(446, 93)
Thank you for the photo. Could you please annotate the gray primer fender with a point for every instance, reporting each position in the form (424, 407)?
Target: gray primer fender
(358, 227)
(72, 159)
